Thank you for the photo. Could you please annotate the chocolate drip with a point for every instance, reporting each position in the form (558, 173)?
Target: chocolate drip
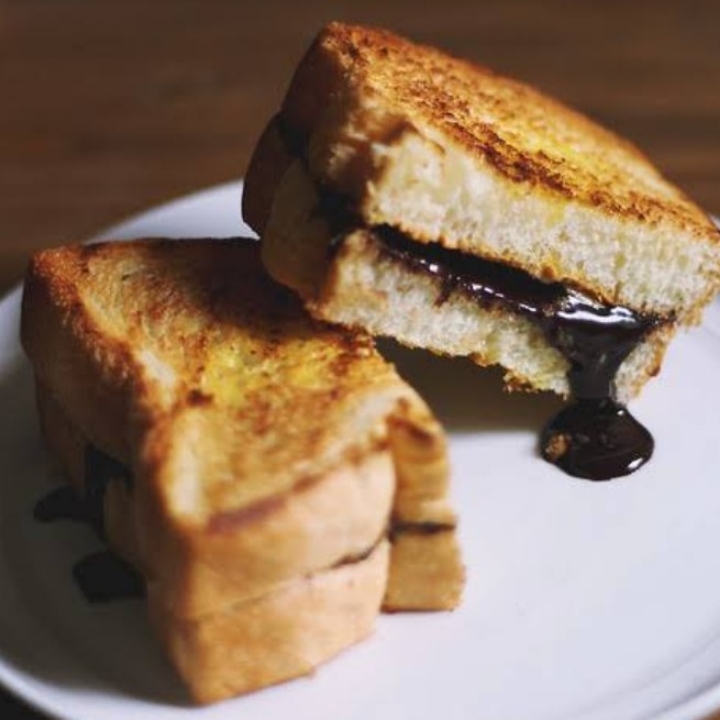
(418, 528)
(103, 576)
(100, 470)
(595, 437)
(63, 503)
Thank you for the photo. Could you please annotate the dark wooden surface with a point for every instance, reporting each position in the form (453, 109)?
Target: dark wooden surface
(109, 107)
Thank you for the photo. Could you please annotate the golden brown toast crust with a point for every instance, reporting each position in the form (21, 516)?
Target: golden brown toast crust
(171, 324)
(264, 445)
(531, 139)
(244, 419)
(449, 152)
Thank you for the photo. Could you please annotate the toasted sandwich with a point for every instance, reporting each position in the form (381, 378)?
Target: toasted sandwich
(415, 195)
(281, 484)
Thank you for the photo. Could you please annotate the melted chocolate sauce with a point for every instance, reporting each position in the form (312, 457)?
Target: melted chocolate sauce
(100, 470)
(594, 338)
(101, 576)
(595, 437)
(488, 282)
(63, 503)
(418, 528)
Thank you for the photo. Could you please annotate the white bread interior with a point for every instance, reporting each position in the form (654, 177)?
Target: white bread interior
(360, 286)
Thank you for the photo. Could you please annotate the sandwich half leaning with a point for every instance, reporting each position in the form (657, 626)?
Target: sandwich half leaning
(419, 196)
(272, 479)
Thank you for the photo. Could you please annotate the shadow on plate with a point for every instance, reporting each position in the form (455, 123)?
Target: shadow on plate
(466, 398)
(48, 631)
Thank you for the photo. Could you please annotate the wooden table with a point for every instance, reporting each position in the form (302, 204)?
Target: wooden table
(109, 107)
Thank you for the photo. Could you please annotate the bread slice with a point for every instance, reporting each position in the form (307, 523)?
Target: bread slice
(269, 453)
(451, 152)
(378, 133)
(356, 281)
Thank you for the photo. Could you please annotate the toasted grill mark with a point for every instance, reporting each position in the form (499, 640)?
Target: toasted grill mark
(198, 398)
(343, 362)
(445, 92)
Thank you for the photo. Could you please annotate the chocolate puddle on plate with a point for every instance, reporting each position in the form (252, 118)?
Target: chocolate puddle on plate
(101, 576)
(595, 437)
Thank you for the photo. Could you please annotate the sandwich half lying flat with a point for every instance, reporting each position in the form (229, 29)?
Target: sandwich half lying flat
(419, 196)
(280, 483)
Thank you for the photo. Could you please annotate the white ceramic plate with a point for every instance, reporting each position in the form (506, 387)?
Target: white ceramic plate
(592, 601)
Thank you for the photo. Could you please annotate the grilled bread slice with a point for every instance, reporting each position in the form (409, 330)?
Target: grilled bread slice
(378, 133)
(355, 279)
(453, 153)
(244, 645)
(269, 454)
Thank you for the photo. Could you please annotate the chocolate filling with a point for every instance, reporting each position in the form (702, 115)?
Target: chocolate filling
(595, 437)
(62, 503)
(103, 577)
(418, 528)
(100, 576)
(100, 470)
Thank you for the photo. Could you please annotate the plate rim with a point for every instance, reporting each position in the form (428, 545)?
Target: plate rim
(18, 682)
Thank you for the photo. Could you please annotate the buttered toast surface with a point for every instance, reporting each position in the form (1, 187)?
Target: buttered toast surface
(265, 449)
(451, 152)
(392, 169)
